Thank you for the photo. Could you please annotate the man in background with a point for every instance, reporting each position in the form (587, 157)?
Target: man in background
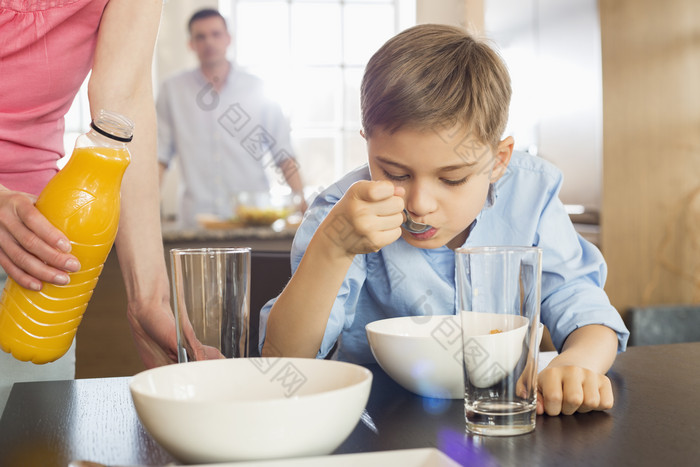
(228, 136)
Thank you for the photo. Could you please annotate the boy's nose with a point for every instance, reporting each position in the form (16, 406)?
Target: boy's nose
(420, 203)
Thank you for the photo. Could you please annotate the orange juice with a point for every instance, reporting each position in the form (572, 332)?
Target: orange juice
(83, 201)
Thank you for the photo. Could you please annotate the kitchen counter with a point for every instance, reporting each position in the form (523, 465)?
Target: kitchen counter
(590, 232)
(587, 224)
(263, 238)
(653, 422)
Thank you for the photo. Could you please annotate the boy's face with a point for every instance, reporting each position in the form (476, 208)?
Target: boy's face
(446, 176)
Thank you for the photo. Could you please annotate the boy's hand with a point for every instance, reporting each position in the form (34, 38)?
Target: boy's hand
(567, 389)
(367, 218)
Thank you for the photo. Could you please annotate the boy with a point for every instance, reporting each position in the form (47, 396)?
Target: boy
(434, 107)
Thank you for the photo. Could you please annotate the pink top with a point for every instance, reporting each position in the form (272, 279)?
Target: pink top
(46, 51)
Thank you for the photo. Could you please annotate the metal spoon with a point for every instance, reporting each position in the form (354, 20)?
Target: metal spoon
(414, 227)
(79, 463)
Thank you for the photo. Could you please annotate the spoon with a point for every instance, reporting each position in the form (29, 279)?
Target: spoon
(414, 227)
(79, 463)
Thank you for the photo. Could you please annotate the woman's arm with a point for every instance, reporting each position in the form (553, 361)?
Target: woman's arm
(121, 81)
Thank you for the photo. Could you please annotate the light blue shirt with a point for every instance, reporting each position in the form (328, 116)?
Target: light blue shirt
(401, 280)
(224, 140)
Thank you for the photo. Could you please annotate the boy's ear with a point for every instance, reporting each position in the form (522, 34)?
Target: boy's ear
(504, 151)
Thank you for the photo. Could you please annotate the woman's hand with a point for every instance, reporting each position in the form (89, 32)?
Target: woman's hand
(32, 250)
(153, 328)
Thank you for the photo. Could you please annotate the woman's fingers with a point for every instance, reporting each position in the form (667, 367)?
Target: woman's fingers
(32, 250)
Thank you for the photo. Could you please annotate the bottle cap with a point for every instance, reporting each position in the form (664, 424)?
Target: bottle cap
(114, 126)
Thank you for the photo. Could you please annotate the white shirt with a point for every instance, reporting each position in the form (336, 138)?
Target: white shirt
(224, 140)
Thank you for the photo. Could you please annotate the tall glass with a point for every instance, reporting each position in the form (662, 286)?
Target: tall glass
(211, 288)
(498, 293)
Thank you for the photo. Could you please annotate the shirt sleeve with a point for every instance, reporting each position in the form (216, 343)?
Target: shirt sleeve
(277, 125)
(343, 310)
(573, 276)
(166, 144)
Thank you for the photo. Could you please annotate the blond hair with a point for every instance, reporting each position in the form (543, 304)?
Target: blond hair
(431, 76)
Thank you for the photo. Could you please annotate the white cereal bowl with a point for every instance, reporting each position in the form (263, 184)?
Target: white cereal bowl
(424, 353)
(250, 408)
(492, 355)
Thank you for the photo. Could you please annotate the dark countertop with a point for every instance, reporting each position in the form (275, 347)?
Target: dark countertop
(260, 238)
(654, 422)
(174, 234)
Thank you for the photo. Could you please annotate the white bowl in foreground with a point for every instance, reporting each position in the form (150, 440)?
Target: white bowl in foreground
(250, 408)
(424, 353)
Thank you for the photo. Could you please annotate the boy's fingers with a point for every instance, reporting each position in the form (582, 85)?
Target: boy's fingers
(374, 190)
(591, 395)
(538, 399)
(596, 392)
(552, 394)
(390, 222)
(606, 394)
(389, 207)
(388, 236)
(573, 399)
(573, 390)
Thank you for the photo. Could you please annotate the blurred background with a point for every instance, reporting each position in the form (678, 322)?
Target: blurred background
(311, 55)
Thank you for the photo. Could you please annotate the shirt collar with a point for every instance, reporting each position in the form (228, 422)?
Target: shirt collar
(490, 200)
(202, 80)
(491, 196)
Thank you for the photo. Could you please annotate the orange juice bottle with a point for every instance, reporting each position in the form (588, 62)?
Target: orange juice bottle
(82, 200)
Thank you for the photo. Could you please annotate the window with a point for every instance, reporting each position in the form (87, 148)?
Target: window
(311, 54)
